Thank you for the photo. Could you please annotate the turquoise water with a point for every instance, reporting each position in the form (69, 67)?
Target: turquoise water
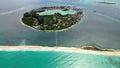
(51, 12)
(56, 59)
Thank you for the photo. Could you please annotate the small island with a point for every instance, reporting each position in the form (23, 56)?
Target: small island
(109, 3)
(92, 47)
(56, 21)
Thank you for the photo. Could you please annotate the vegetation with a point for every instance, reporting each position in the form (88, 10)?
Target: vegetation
(90, 48)
(66, 9)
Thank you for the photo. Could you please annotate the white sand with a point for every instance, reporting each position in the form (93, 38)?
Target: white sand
(66, 49)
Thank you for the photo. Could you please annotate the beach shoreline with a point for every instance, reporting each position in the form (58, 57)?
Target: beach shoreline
(64, 49)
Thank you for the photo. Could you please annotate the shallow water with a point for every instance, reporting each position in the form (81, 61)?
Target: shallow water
(56, 59)
(51, 12)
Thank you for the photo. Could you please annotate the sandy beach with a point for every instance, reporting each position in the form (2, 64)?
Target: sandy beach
(66, 49)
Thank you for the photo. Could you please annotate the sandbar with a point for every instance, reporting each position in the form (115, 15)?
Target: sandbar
(64, 49)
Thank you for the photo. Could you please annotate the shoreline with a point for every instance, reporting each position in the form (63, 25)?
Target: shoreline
(64, 49)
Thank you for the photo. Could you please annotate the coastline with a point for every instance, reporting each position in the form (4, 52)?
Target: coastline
(64, 49)
(47, 30)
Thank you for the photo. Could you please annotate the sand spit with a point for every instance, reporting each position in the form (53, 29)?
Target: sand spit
(66, 49)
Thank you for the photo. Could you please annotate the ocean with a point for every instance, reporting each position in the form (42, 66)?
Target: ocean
(100, 26)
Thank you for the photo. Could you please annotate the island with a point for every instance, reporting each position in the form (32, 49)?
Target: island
(55, 21)
(92, 47)
(110, 3)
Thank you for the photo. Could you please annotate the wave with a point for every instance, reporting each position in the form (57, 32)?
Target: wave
(12, 11)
